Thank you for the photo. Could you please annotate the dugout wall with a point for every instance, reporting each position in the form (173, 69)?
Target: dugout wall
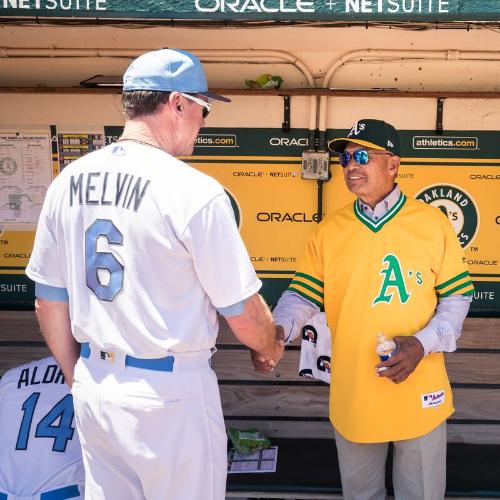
(245, 148)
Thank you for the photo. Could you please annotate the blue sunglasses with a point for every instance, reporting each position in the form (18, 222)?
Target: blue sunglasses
(360, 156)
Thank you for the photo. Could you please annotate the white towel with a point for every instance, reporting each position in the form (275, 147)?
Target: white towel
(315, 350)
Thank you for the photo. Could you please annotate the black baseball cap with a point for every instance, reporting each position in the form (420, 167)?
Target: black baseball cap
(375, 134)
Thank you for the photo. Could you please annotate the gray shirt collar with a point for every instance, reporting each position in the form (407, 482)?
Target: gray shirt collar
(382, 207)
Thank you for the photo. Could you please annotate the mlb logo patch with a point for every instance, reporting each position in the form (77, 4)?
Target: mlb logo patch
(118, 150)
(433, 399)
(108, 356)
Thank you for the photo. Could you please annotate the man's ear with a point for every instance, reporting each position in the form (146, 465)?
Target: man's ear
(394, 162)
(175, 102)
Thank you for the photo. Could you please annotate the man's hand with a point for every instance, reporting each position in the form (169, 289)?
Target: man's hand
(401, 365)
(265, 363)
(262, 364)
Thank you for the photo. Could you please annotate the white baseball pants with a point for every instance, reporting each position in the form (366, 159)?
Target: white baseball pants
(150, 434)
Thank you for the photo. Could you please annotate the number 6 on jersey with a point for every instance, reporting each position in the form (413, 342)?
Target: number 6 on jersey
(95, 261)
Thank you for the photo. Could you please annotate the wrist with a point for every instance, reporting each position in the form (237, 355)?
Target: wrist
(428, 338)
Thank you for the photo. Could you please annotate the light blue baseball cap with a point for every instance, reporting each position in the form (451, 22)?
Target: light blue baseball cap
(168, 70)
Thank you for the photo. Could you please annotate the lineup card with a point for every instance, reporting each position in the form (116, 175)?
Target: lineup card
(25, 175)
(259, 461)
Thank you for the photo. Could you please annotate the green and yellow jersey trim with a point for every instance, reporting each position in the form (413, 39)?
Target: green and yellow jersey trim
(460, 284)
(376, 226)
(309, 287)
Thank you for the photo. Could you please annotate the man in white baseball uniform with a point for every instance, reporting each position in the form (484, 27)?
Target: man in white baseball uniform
(40, 455)
(135, 253)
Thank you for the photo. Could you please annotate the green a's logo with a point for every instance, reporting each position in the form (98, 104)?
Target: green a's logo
(393, 281)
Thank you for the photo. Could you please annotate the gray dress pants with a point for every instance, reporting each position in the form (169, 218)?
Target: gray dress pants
(419, 467)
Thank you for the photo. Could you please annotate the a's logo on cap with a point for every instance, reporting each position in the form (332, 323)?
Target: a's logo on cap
(357, 128)
(390, 144)
(457, 205)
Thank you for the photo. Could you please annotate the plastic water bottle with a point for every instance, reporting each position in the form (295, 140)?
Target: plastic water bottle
(386, 347)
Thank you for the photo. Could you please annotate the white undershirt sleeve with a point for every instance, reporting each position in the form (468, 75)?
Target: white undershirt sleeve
(445, 327)
(292, 312)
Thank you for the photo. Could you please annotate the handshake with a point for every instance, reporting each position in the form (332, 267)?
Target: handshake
(255, 329)
(265, 361)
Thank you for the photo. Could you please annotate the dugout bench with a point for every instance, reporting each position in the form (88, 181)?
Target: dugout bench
(293, 412)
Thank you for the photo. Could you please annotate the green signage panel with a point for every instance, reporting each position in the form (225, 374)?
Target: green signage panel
(457, 172)
(282, 10)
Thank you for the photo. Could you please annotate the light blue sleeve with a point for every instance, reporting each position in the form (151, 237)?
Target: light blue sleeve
(52, 293)
(232, 310)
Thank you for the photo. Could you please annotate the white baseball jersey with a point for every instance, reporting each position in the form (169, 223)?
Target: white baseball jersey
(147, 248)
(315, 349)
(40, 450)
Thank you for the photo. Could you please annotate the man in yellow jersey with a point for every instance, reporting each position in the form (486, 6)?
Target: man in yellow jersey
(393, 265)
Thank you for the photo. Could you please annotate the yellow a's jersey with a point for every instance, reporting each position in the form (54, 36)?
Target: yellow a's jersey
(383, 276)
